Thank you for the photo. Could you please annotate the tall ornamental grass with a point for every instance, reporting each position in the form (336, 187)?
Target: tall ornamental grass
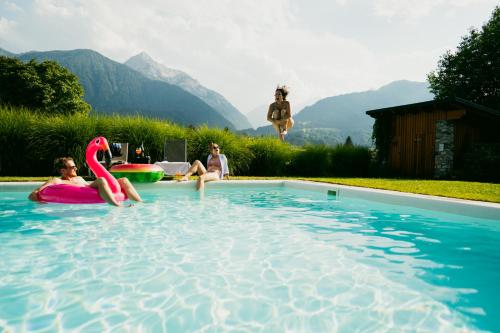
(338, 161)
(29, 143)
(270, 157)
(16, 155)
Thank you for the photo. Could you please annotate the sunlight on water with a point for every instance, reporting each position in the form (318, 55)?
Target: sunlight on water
(259, 259)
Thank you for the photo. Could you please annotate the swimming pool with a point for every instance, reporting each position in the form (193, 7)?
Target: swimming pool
(268, 256)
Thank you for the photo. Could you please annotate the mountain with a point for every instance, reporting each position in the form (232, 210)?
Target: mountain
(6, 53)
(348, 111)
(111, 87)
(257, 116)
(332, 119)
(144, 64)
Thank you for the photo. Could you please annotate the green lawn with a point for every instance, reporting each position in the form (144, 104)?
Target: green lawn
(444, 188)
(453, 189)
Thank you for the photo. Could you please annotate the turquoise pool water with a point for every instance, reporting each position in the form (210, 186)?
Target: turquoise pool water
(258, 259)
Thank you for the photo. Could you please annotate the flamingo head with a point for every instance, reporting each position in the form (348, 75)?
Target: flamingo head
(99, 143)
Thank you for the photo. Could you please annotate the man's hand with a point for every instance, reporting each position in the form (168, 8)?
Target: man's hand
(34, 195)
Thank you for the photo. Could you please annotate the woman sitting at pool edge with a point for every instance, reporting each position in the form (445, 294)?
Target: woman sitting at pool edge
(216, 168)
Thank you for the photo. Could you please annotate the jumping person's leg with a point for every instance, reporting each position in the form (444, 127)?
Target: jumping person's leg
(288, 124)
(285, 125)
(129, 189)
(206, 177)
(197, 167)
(104, 191)
(277, 126)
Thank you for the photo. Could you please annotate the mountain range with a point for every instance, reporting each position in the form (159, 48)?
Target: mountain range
(114, 88)
(144, 64)
(143, 86)
(331, 120)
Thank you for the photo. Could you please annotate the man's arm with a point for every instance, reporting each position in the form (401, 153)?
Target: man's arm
(34, 195)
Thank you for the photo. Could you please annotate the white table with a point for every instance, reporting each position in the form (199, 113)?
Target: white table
(174, 168)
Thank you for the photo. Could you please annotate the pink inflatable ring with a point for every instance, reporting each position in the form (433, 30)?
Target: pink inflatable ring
(70, 194)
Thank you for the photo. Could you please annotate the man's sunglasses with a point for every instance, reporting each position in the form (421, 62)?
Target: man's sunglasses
(74, 167)
(215, 147)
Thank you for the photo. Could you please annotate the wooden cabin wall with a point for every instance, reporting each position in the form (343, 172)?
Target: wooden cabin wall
(414, 132)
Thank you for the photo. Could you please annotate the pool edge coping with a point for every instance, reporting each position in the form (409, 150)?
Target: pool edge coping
(482, 209)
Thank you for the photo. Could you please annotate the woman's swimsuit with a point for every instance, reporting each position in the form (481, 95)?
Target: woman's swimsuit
(214, 165)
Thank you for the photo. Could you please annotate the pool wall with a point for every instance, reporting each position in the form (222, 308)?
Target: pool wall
(479, 209)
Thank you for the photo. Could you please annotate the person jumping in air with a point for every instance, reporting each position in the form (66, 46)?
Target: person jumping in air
(279, 113)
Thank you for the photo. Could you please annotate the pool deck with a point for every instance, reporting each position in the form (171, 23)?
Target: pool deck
(480, 209)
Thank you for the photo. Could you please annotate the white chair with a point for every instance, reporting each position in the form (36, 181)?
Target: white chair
(175, 157)
(175, 150)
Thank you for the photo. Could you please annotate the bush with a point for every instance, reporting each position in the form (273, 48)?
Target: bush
(29, 143)
(16, 151)
(312, 161)
(270, 157)
(45, 87)
(350, 161)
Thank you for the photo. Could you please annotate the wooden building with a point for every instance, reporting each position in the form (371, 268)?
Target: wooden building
(437, 139)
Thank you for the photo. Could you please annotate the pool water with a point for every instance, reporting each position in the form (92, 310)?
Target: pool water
(266, 259)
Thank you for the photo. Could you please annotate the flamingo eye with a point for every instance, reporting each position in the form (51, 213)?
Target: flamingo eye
(98, 141)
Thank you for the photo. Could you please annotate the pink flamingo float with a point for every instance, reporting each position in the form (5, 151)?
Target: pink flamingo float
(69, 194)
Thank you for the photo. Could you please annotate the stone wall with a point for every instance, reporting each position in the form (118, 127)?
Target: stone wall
(443, 162)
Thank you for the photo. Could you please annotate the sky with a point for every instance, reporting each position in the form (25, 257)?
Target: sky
(243, 49)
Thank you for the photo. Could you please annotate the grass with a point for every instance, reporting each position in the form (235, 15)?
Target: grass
(444, 188)
(452, 189)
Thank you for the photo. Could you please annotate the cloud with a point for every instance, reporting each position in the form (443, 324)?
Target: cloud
(237, 50)
(243, 49)
(411, 10)
(58, 8)
(11, 6)
(6, 26)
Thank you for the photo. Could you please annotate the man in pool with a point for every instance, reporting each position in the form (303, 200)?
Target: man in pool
(67, 169)
(216, 168)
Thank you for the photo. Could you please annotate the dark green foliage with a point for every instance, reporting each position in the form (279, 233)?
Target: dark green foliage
(481, 163)
(45, 87)
(382, 139)
(313, 161)
(473, 71)
(338, 161)
(270, 157)
(350, 161)
(15, 149)
(29, 143)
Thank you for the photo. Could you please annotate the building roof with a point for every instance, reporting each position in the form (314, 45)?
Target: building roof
(434, 103)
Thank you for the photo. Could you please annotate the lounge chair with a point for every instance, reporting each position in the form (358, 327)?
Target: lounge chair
(119, 152)
(175, 157)
(175, 150)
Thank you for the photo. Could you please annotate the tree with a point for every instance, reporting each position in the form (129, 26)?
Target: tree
(348, 142)
(473, 71)
(44, 87)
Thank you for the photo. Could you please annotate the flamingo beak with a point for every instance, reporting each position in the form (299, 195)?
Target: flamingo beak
(107, 153)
